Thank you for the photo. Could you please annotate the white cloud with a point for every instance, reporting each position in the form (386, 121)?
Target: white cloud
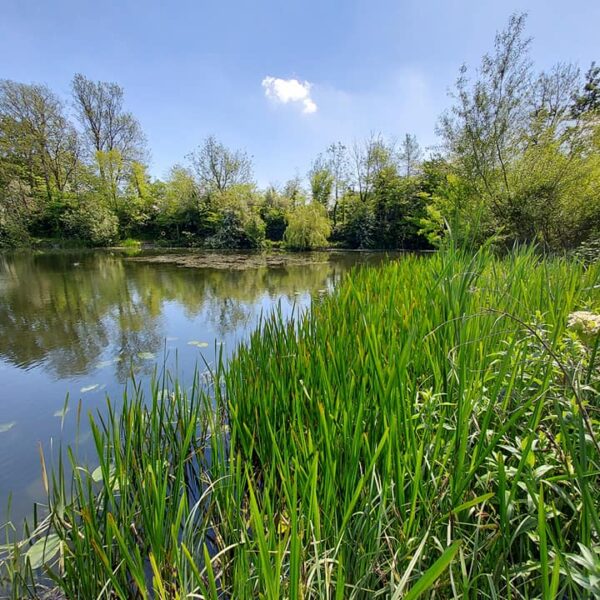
(290, 90)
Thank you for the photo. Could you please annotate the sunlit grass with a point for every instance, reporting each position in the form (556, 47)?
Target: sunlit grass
(431, 428)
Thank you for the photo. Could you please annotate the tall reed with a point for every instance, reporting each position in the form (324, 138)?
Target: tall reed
(428, 430)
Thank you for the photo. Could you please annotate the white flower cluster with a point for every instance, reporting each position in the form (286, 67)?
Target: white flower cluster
(585, 324)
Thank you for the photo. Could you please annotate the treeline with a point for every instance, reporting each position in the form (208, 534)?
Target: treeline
(519, 160)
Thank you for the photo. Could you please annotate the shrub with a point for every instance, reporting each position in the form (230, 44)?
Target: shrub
(92, 223)
(308, 227)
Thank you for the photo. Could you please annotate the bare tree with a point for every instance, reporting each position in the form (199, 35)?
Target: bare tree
(410, 155)
(368, 159)
(106, 125)
(219, 168)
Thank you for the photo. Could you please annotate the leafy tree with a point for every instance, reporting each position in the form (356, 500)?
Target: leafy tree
(138, 205)
(368, 159)
(338, 165)
(587, 101)
(356, 223)
(177, 206)
(321, 182)
(396, 204)
(520, 144)
(110, 166)
(17, 208)
(452, 208)
(484, 128)
(273, 211)
(36, 137)
(239, 224)
(92, 222)
(308, 227)
(294, 192)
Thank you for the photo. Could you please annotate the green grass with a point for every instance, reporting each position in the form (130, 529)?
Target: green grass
(429, 430)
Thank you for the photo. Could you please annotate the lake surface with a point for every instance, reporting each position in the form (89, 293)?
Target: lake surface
(80, 324)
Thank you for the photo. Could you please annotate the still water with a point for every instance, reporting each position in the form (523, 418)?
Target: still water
(80, 324)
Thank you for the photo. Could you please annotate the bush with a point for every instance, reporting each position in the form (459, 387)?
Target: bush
(92, 223)
(238, 229)
(17, 206)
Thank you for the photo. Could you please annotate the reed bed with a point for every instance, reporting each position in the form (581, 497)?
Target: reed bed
(430, 429)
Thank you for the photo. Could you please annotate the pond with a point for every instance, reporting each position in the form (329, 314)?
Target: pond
(80, 324)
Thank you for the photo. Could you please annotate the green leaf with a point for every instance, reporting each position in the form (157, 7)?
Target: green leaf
(44, 550)
(433, 573)
(470, 503)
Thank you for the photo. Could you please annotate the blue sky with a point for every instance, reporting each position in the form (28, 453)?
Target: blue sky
(193, 68)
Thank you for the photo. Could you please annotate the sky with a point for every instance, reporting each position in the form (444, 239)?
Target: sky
(280, 79)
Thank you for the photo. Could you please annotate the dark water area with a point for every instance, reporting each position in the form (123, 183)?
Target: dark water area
(80, 324)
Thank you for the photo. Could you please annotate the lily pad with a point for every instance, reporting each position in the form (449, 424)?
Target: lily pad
(107, 363)
(44, 550)
(61, 412)
(7, 426)
(89, 388)
(98, 477)
(146, 355)
(198, 344)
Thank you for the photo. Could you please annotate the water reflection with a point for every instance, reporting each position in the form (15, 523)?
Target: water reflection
(61, 311)
(81, 323)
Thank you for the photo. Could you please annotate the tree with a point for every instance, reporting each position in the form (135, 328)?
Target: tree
(338, 165)
(274, 211)
(218, 168)
(239, 224)
(17, 208)
(110, 166)
(178, 207)
(294, 192)
(522, 146)
(368, 159)
(356, 225)
(92, 223)
(106, 125)
(308, 227)
(321, 182)
(482, 132)
(36, 137)
(587, 101)
(410, 155)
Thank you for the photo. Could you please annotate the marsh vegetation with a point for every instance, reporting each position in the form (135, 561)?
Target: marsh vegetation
(429, 428)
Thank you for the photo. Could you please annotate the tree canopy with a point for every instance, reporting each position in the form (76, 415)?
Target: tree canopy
(519, 162)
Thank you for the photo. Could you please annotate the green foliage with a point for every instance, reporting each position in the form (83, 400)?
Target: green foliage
(308, 227)
(355, 222)
(525, 148)
(238, 221)
(321, 185)
(454, 209)
(402, 441)
(519, 163)
(92, 223)
(17, 209)
(273, 211)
